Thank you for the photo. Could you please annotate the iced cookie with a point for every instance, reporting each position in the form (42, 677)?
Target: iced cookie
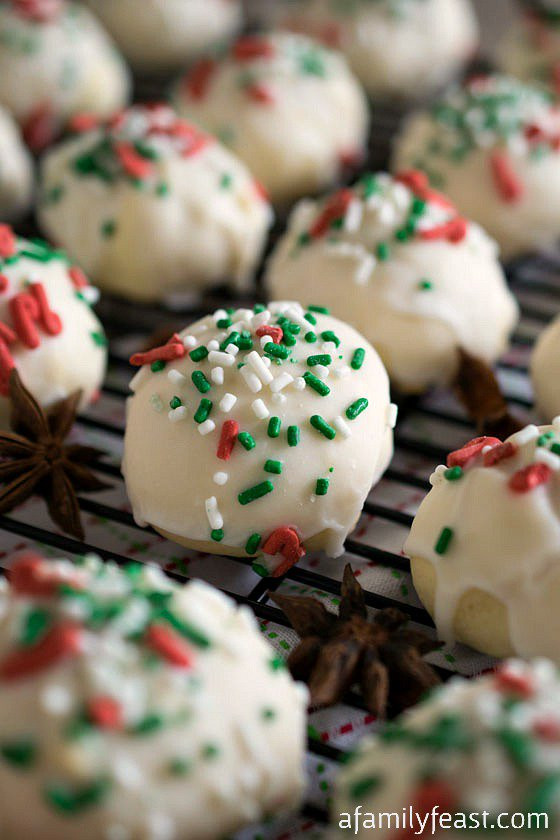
(545, 371)
(494, 147)
(289, 108)
(397, 48)
(133, 707)
(396, 260)
(262, 418)
(485, 541)
(16, 171)
(48, 330)
(56, 61)
(530, 48)
(164, 35)
(150, 205)
(477, 754)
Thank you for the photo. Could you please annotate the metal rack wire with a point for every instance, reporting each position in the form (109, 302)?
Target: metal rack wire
(427, 429)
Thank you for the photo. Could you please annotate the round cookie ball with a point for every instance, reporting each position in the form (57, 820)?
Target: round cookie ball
(113, 713)
(397, 48)
(160, 36)
(261, 418)
(530, 48)
(394, 259)
(545, 371)
(287, 106)
(484, 541)
(16, 171)
(494, 147)
(56, 61)
(149, 205)
(48, 330)
(477, 754)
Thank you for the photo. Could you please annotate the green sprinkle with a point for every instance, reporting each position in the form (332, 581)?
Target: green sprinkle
(289, 339)
(276, 663)
(253, 543)
(356, 408)
(210, 751)
(245, 342)
(322, 426)
(203, 411)
(274, 467)
(99, 338)
(274, 425)
(259, 307)
(70, 800)
(544, 438)
(277, 351)
(316, 384)
(322, 310)
(293, 435)
(199, 353)
(425, 285)
(319, 359)
(555, 448)
(246, 440)
(162, 189)
(186, 629)
(542, 796)
(224, 323)
(322, 487)
(311, 318)
(260, 570)
(444, 540)
(358, 358)
(518, 745)
(256, 492)
(453, 473)
(364, 786)
(157, 366)
(217, 534)
(370, 185)
(304, 239)
(311, 337)
(151, 723)
(179, 766)
(175, 402)
(37, 621)
(232, 338)
(108, 228)
(383, 251)
(226, 181)
(329, 335)
(21, 752)
(268, 714)
(200, 382)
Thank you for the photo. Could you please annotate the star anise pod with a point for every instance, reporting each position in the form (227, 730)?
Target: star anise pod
(478, 390)
(381, 655)
(34, 459)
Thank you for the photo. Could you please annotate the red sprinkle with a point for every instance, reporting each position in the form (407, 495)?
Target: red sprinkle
(40, 128)
(251, 48)
(548, 729)
(335, 209)
(499, 453)
(454, 231)
(32, 575)
(4, 283)
(260, 190)
(133, 164)
(169, 645)
(81, 123)
(506, 181)
(6, 366)
(197, 82)
(41, 11)
(78, 278)
(30, 308)
(430, 794)
(105, 712)
(174, 349)
(284, 541)
(60, 642)
(228, 437)
(509, 683)
(529, 478)
(276, 333)
(419, 184)
(7, 242)
(262, 94)
(461, 457)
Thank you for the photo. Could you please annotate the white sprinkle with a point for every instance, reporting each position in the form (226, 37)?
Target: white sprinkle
(354, 215)
(176, 377)
(177, 414)
(260, 319)
(266, 361)
(392, 414)
(437, 476)
(206, 427)
(221, 478)
(227, 402)
(213, 345)
(321, 371)
(387, 214)
(260, 409)
(56, 700)
(279, 398)
(127, 773)
(281, 382)
(525, 435)
(157, 403)
(255, 361)
(251, 379)
(296, 316)
(341, 426)
(217, 375)
(329, 347)
(299, 383)
(365, 269)
(341, 371)
(215, 518)
(90, 294)
(232, 349)
(549, 458)
(264, 340)
(486, 449)
(219, 315)
(189, 341)
(216, 357)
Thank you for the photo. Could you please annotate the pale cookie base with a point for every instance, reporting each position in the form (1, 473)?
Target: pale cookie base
(480, 621)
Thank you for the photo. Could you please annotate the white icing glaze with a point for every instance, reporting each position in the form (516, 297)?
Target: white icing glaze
(169, 468)
(202, 230)
(458, 145)
(504, 541)
(287, 106)
(185, 28)
(176, 754)
(403, 48)
(459, 738)
(68, 63)
(16, 171)
(417, 305)
(545, 371)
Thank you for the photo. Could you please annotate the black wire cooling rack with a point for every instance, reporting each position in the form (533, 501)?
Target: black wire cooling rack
(427, 429)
